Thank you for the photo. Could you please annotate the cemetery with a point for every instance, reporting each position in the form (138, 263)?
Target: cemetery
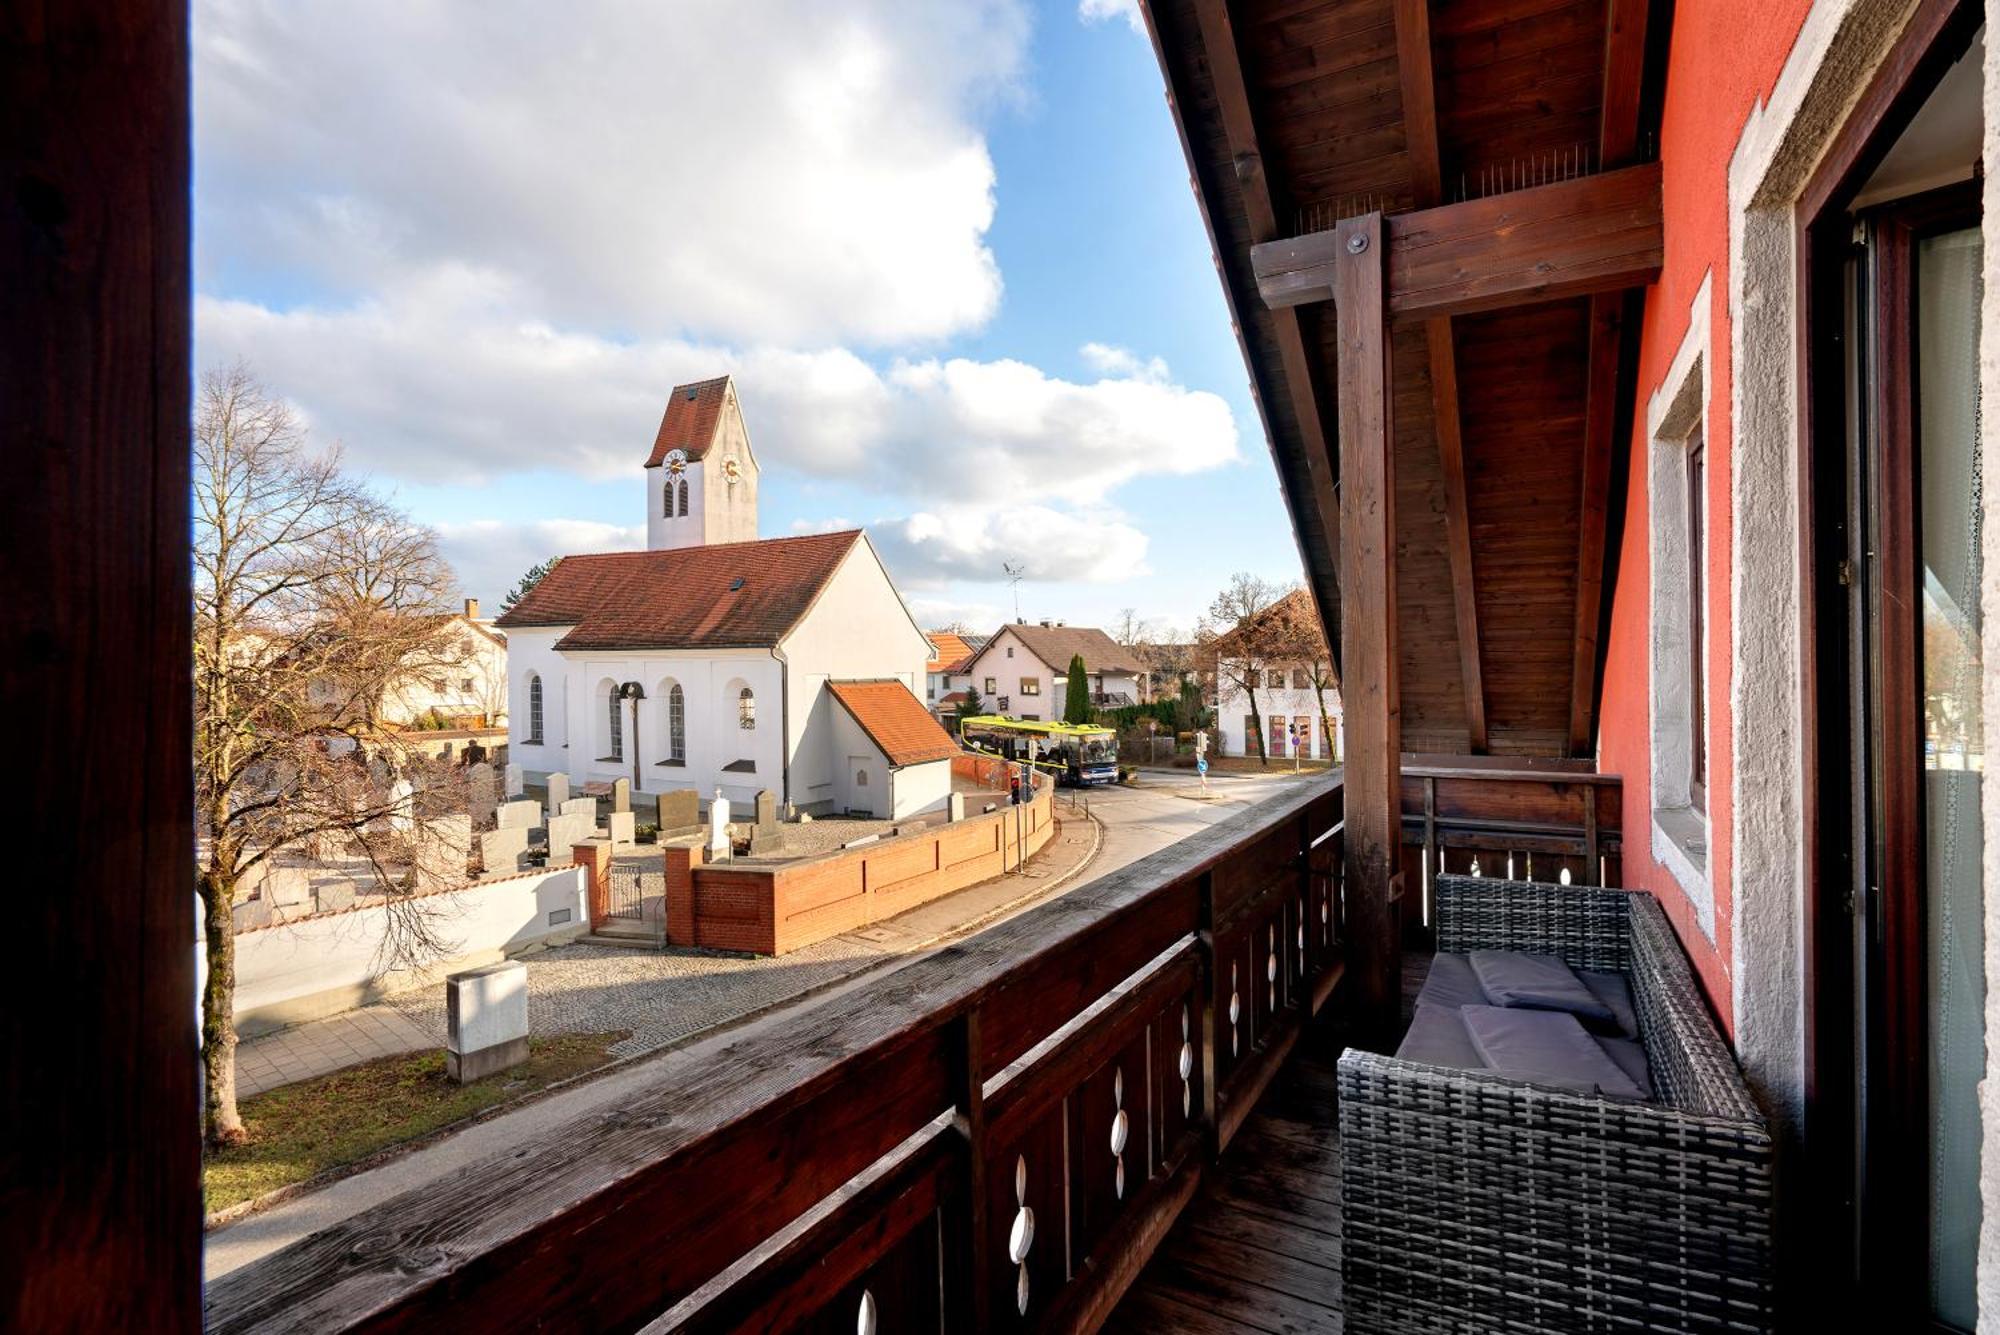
(501, 870)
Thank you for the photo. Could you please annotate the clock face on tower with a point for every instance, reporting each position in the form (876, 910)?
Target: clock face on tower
(677, 462)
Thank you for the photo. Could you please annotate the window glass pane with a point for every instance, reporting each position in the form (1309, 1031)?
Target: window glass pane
(1948, 293)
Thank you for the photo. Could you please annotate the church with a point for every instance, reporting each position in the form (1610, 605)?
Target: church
(718, 661)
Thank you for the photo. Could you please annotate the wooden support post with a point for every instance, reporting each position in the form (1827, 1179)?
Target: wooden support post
(1208, 1026)
(1369, 690)
(967, 1279)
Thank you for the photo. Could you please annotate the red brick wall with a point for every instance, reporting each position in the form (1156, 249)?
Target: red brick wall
(772, 911)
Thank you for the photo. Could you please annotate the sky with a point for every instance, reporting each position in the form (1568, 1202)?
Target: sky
(948, 250)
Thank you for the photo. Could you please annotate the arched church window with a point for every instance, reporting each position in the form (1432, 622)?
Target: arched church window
(684, 497)
(534, 709)
(676, 726)
(746, 709)
(617, 732)
(667, 501)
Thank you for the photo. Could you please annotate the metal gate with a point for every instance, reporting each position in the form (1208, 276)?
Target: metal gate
(638, 890)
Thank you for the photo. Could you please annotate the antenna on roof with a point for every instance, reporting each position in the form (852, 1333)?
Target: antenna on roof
(1015, 569)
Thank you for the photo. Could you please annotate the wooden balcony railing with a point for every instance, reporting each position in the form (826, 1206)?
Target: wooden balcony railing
(993, 1137)
(1525, 819)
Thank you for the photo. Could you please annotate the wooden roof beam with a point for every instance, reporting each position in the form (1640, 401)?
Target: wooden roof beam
(1572, 238)
(1618, 143)
(1232, 95)
(1413, 60)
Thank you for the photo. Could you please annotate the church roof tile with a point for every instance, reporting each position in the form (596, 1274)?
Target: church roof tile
(731, 595)
(689, 422)
(895, 720)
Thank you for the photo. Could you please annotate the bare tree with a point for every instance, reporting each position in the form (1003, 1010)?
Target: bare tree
(1242, 645)
(1294, 635)
(312, 596)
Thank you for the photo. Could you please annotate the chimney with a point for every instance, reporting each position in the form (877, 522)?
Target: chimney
(472, 609)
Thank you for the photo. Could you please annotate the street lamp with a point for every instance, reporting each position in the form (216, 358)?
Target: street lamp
(634, 692)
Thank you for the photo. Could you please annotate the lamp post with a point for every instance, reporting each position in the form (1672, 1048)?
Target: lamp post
(634, 692)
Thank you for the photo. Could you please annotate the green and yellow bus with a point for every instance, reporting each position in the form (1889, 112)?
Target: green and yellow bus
(1077, 753)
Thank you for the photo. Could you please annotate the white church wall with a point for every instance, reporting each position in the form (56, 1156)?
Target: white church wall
(858, 773)
(710, 685)
(531, 652)
(859, 629)
(915, 789)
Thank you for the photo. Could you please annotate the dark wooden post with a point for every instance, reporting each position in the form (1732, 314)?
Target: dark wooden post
(1372, 847)
(1205, 1021)
(100, 1093)
(968, 1261)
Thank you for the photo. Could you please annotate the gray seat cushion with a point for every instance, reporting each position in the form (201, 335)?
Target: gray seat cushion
(1546, 1047)
(1630, 1055)
(1517, 980)
(1615, 991)
(1451, 983)
(1437, 1037)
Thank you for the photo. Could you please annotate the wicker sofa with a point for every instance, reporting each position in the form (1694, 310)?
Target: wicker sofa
(1477, 1203)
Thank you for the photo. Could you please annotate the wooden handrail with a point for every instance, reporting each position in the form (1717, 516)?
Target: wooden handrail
(728, 1185)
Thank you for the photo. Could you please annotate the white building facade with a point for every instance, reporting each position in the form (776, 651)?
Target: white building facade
(1288, 713)
(1023, 671)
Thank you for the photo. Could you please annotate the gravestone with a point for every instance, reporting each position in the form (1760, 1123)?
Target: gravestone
(718, 827)
(441, 852)
(485, 1020)
(679, 810)
(585, 807)
(251, 914)
(955, 807)
(288, 887)
(623, 828)
(558, 792)
(621, 794)
(500, 850)
(565, 833)
(523, 814)
(402, 805)
(480, 802)
(767, 837)
(514, 781)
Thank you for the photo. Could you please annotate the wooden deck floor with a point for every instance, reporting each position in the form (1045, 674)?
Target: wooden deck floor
(1259, 1248)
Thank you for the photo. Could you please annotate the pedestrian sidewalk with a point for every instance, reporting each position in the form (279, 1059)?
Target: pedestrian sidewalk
(661, 996)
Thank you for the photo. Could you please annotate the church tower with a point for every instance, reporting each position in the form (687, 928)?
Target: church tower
(701, 479)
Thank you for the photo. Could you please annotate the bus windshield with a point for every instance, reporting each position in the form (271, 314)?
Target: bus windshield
(1099, 750)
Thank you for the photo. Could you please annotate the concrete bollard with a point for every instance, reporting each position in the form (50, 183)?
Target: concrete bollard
(486, 1020)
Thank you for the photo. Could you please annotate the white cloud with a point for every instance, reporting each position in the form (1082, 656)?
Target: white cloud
(788, 170)
(1103, 11)
(972, 542)
(491, 554)
(451, 378)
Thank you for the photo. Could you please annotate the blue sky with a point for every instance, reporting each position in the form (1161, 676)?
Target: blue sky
(480, 265)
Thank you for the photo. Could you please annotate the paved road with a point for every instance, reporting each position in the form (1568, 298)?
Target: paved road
(1164, 808)
(1167, 806)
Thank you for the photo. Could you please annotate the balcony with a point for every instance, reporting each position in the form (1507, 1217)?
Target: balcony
(999, 1136)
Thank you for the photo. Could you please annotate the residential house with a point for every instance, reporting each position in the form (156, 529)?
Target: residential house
(945, 674)
(730, 649)
(1023, 671)
(459, 678)
(1296, 699)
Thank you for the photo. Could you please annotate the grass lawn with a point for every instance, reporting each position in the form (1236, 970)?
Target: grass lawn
(298, 1131)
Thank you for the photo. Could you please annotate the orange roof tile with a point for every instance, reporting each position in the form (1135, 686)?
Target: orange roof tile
(731, 595)
(689, 422)
(952, 653)
(895, 721)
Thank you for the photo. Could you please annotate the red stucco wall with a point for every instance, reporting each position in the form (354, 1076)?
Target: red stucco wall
(1725, 57)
